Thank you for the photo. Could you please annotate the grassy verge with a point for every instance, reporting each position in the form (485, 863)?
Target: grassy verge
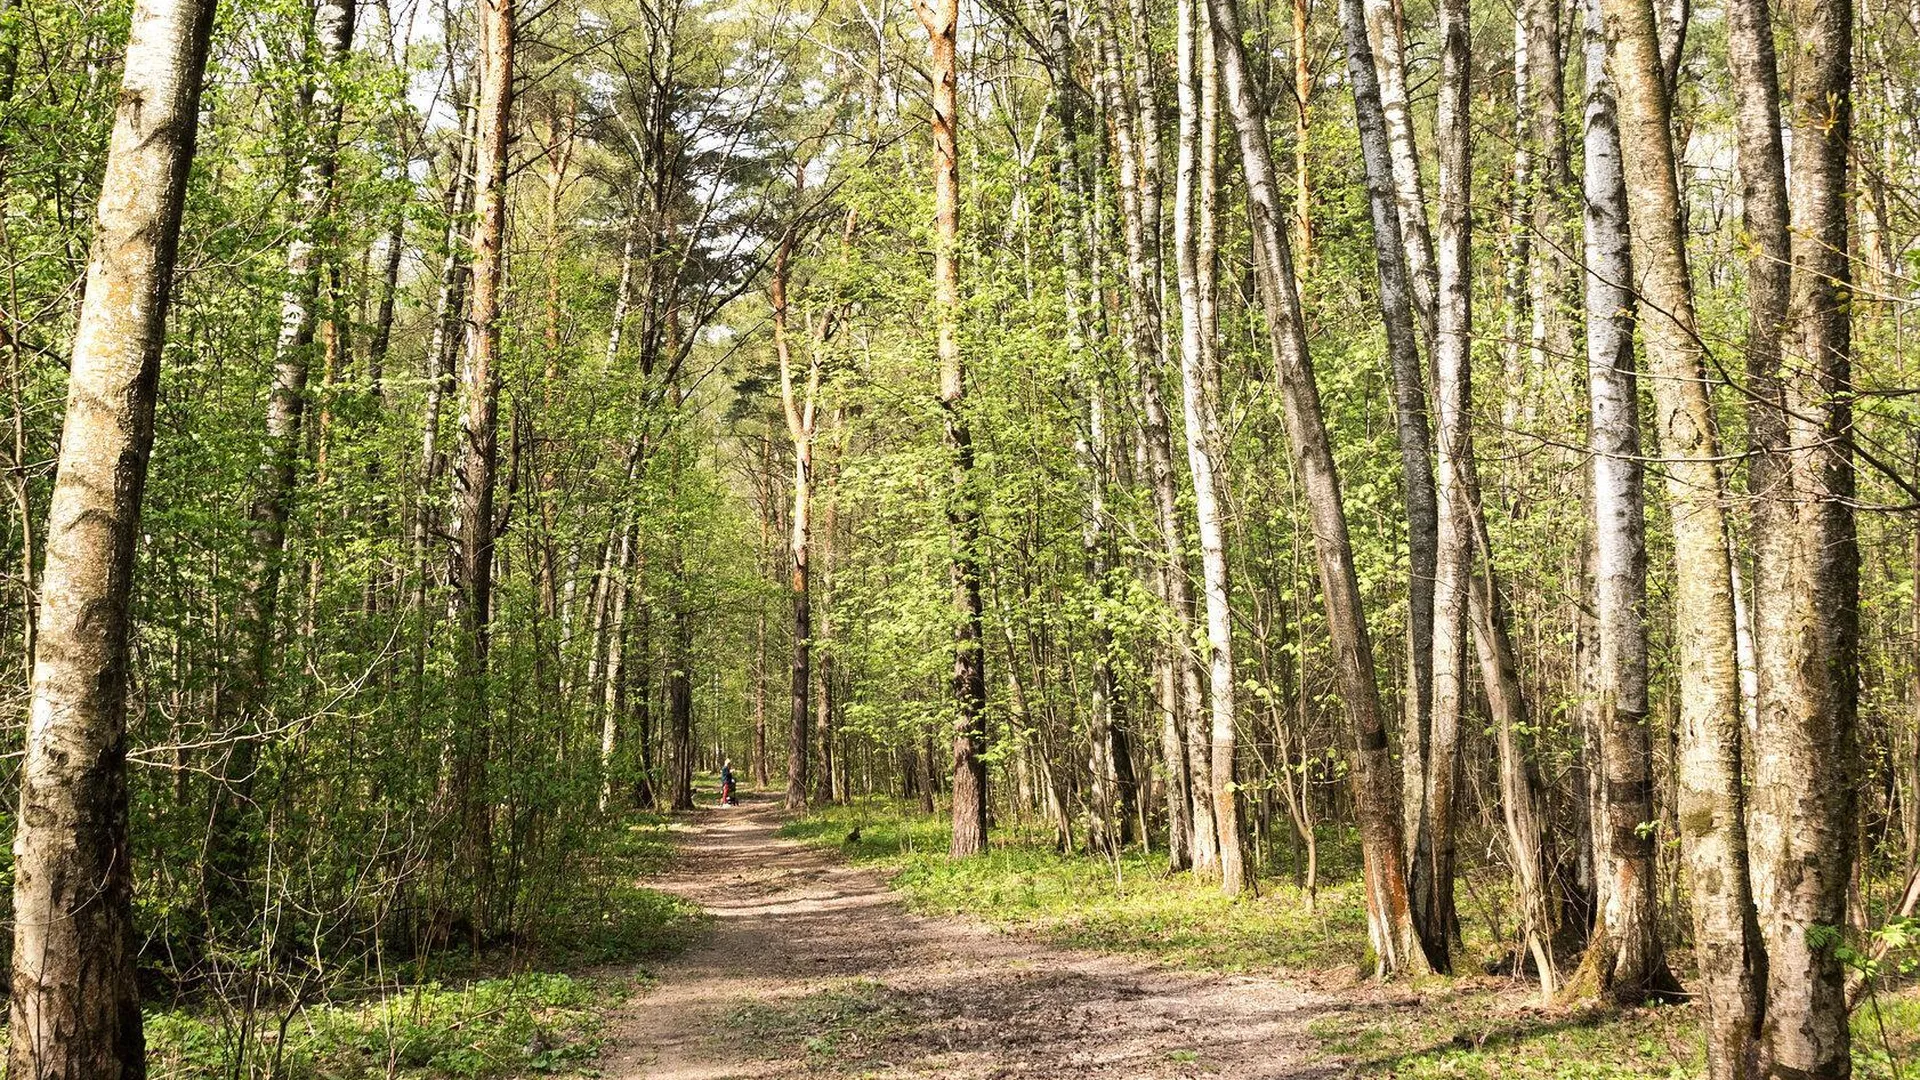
(536, 1009)
(1475, 1027)
(1475, 1030)
(1127, 905)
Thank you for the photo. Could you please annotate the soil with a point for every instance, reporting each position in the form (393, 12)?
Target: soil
(815, 968)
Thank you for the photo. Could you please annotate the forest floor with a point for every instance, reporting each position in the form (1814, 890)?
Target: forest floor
(816, 968)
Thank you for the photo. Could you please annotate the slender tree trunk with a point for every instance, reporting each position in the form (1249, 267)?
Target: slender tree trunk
(1396, 945)
(1550, 341)
(479, 429)
(1387, 35)
(1200, 398)
(1711, 803)
(1206, 252)
(823, 788)
(759, 765)
(1391, 253)
(941, 20)
(1302, 141)
(1433, 863)
(612, 704)
(1624, 962)
(1137, 146)
(1804, 829)
(1623, 959)
(75, 1004)
(799, 409)
(559, 153)
(680, 699)
(248, 691)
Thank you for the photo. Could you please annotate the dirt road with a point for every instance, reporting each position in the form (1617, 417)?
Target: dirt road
(814, 968)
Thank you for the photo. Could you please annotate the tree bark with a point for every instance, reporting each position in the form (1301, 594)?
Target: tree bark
(1807, 597)
(1390, 920)
(75, 1004)
(798, 407)
(1624, 962)
(1392, 253)
(1711, 803)
(1387, 35)
(1432, 867)
(941, 20)
(475, 481)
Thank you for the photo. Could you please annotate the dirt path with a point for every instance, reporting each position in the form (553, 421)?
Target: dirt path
(814, 968)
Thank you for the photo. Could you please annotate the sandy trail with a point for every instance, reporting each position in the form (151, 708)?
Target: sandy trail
(814, 968)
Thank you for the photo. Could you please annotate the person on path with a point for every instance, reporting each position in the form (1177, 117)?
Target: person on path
(726, 783)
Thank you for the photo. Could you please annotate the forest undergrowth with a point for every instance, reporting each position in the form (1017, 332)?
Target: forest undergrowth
(532, 1007)
(1487, 1024)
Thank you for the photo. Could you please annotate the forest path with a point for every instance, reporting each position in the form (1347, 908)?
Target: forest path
(815, 968)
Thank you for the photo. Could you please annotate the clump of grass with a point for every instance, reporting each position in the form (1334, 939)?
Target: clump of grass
(845, 1022)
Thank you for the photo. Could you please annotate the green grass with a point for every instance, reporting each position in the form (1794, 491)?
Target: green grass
(1475, 1030)
(1133, 907)
(524, 1024)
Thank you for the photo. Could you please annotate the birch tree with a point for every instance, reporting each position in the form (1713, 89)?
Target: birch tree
(74, 1012)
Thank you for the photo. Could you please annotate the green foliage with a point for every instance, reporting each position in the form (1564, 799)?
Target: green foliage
(542, 1024)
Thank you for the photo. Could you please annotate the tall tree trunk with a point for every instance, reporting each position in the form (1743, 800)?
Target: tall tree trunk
(1302, 141)
(75, 1004)
(248, 692)
(1711, 803)
(1549, 336)
(798, 406)
(1391, 256)
(680, 696)
(823, 788)
(562, 121)
(612, 704)
(1137, 145)
(1624, 962)
(479, 429)
(941, 20)
(1206, 243)
(1200, 398)
(1390, 921)
(1807, 598)
(1433, 862)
